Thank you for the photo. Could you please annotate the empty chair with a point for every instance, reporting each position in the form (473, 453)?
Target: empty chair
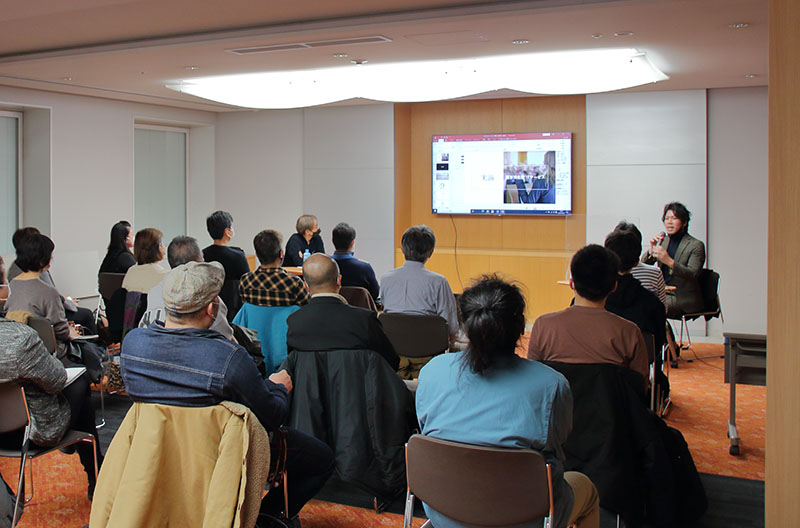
(708, 281)
(477, 485)
(416, 339)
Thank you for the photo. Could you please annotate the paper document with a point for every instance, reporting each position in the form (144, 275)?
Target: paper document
(74, 373)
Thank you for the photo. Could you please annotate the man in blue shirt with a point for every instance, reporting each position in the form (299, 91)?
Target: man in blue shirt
(355, 272)
(181, 362)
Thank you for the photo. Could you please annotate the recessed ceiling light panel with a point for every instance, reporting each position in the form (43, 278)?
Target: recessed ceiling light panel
(739, 25)
(555, 73)
(519, 42)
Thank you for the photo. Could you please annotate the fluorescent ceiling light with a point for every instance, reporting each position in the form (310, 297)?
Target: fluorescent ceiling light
(569, 72)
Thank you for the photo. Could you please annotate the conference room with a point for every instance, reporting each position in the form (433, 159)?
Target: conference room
(91, 115)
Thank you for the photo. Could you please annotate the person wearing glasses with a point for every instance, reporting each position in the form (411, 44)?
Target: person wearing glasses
(680, 257)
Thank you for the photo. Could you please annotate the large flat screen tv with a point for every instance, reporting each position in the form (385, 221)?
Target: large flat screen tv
(502, 174)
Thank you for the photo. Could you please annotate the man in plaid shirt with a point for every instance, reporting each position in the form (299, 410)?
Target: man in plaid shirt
(269, 284)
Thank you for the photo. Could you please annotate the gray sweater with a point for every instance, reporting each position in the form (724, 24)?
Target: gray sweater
(24, 359)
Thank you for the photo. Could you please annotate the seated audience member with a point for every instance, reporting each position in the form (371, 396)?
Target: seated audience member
(487, 395)
(181, 363)
(630, 300)
(307, 237)
(327, 322)
(54, 406)
(680, 257)
(181, 250)
(413, 289)
(149, 252)
(355, 272)
(650, 276)
(269, 284)
(28, 292)
(119, 257)
(81, 316)
(586, 332)
(233, 259)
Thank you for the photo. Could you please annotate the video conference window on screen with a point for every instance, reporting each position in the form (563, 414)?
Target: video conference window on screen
(502, 174)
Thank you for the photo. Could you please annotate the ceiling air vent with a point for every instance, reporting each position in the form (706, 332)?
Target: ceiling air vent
(308, 45)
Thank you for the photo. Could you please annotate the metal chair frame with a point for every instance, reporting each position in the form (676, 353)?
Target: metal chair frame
(17, 415)
(418, 443)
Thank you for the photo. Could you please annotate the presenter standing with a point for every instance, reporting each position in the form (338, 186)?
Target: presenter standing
(680, 257)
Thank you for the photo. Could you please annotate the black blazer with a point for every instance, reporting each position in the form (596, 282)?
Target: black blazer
(326, 323)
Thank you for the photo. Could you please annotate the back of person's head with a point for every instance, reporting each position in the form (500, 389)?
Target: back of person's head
(268, 246)
(627, 248)
(631, 228)
(321, 273)
(22, 233)
(217, 222)
(147, 246)
(493, 315)
(2, 271)
(305, 222)
(594, 272)
(343, 236)
(189, 289)
(183, 249)
(119, 235)
(417, 243)
(34, 252)
(680, 211)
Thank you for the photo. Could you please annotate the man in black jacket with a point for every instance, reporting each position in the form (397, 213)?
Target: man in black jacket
(327, 322)
(631, 300)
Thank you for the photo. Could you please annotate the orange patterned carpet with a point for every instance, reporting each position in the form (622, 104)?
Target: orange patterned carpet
(699, 410)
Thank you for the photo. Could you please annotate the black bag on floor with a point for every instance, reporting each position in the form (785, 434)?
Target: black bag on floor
(689, 495)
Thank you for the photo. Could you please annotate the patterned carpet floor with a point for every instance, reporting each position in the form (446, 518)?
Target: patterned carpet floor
(699, 410)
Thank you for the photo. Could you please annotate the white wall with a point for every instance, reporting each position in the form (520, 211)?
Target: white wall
(644, 150)
(91, 162)
(737, 205)
(336, 163)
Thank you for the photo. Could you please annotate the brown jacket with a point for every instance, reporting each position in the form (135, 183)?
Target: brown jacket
(187, 467)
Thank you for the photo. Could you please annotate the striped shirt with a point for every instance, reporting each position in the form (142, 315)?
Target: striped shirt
(652, 279)
(272, 287)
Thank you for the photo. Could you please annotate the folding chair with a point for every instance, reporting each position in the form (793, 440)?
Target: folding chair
(708, 280)
(15, 416)
(481, 486)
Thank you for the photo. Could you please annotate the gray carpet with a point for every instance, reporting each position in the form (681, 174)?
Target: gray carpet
(732, 502)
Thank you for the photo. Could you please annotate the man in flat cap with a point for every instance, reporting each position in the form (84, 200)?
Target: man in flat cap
(181, 362)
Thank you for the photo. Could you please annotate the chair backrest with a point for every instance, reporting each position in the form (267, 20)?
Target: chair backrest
(15, 409)
(270, 323)
(416, 335)
(45, 331)
(358, 296)
(650, 344)
(482, 486)
(709, 287)
(108, 283)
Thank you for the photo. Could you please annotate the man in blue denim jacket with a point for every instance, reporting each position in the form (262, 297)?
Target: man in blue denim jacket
(182, 362)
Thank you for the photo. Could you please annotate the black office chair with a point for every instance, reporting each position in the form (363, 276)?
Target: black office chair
(708, 281)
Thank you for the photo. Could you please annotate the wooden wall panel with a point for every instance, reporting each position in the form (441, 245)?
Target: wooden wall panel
(783, 287)
(533, 250)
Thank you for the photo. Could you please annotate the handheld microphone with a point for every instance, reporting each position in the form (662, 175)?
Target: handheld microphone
(661, 236)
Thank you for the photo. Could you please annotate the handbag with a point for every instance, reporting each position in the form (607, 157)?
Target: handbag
(90, 355)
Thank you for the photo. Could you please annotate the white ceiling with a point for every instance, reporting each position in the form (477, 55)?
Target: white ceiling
(129, 49)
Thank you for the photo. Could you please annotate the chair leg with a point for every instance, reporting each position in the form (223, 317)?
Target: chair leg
(20, 490)
(102, 387)
(408, 514)
(684, 324)
(30, 465)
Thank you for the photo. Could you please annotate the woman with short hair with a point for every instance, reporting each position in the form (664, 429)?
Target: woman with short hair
(488, 395)
(148, 250)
